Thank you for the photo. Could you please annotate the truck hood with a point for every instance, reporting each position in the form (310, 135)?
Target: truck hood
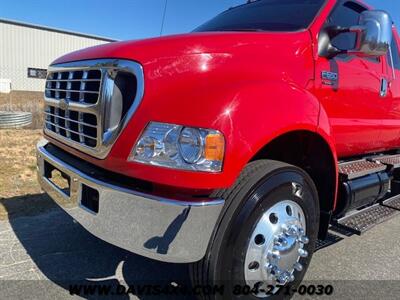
(213, 58)
(223, 81)
(250, 44)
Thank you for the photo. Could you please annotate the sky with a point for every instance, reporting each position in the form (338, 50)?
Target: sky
(131, 19)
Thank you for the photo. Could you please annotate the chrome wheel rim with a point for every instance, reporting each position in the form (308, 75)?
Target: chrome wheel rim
(275, 248)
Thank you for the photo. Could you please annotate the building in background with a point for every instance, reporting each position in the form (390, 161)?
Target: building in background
(26, 50)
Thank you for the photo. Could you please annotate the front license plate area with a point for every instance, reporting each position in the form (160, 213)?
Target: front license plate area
(61, 180)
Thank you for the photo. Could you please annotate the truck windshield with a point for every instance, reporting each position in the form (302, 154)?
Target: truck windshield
(266, 15)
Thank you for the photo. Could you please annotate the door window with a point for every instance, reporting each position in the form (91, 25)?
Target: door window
(395, 53)
(346, 14)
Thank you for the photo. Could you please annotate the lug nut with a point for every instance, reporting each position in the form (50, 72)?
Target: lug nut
(283, 278)
(280, 241)
(303, 239)
(275, 271)
(269, 268)
(292, 231)
(277, 241)
(276, 256)
(298, 267)
(303, 253)
(289, 231)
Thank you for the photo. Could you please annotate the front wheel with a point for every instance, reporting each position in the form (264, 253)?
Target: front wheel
(266, 234)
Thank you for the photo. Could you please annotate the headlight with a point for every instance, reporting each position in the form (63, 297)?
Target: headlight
(190, 144)
(179, 147)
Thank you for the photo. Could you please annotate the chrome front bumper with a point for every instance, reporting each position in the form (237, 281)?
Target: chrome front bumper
(162, 229)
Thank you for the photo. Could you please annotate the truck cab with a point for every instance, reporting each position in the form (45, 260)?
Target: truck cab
(232, 148)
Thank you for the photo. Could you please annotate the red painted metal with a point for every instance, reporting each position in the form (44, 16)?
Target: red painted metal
(253, 87)
(244, 84)
(390, 136)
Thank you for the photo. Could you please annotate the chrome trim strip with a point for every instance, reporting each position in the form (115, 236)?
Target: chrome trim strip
(156, 227)
(70, 130)
(74, 80)
(82, 107)
(109, 68)
(70, 120)
(72, 91)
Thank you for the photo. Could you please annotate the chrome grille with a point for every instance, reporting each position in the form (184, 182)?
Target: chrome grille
(77, 126)
(73, 86)
(85, 106)
(79, 86)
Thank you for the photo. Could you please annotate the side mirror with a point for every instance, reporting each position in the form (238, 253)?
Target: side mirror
(373, 36)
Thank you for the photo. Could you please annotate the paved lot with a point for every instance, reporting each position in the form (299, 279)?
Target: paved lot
(41, 254)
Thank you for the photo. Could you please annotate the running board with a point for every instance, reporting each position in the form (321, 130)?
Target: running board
(360, 221)
(330, 239)
(359, 168)
(392, 161)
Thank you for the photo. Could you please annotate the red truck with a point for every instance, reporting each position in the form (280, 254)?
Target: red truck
(232, 148)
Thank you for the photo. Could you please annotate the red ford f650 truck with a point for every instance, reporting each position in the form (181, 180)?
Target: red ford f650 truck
(235, 147)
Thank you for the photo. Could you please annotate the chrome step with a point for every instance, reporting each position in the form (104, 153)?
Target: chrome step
(360, 221)
(392, 203)
(389, 160)
(330, 239)
(359, 168)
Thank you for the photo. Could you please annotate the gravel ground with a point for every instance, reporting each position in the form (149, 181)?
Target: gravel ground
(41, 254)
(42, 249)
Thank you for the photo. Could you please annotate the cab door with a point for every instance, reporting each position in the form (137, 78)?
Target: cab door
(391, 121)
(348, 87)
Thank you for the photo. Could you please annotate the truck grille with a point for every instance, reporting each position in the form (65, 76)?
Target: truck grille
(73, 86)
(88, 103)
(77, 126)
(79, 86)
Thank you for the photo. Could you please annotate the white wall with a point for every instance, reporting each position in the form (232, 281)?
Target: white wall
(24, 47)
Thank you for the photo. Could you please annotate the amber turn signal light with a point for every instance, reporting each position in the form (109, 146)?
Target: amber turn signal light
(214, 147)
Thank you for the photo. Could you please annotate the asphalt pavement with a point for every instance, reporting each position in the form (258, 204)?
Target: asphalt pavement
(41, 255)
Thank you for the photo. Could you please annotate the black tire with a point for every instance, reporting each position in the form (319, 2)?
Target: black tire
(261, 184)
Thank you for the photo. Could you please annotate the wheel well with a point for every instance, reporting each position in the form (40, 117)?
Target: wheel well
(310, 152)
